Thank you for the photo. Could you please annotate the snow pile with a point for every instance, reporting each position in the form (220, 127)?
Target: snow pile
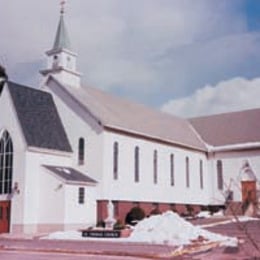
(208, 214)
(204, 214)
(170, 228)
(68, 235)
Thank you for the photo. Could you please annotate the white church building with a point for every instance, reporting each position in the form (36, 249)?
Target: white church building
(67, 149)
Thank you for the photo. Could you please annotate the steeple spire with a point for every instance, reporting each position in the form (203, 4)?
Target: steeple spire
(61, 60)
(62, 38)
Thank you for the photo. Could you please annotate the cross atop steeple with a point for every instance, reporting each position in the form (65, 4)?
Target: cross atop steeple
(62, 4)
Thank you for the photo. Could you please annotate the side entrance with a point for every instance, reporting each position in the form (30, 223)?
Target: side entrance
(5, 216)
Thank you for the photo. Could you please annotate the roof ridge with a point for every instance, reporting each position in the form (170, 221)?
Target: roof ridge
(225, 113)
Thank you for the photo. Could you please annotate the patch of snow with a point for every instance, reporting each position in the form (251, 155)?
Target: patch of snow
(207, 214)
(170, 228)
(220, 213)
(167, 228)
(70, 235)
(245, 218)
(204, 214)
(232, 220)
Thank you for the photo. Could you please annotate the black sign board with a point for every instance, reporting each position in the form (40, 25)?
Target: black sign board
(101, 233)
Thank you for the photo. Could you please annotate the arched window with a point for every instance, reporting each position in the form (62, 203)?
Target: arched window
(137, 164)
(81, 151)
(220, 174)
(6, 163)
(115, 159)
(155, 167)
(187, 172)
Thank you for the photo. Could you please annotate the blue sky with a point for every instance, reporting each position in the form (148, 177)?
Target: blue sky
(182, 56)
(252, 9)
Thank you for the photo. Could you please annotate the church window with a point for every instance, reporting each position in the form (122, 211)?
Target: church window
(55, 61)
(115, 159)
(6, 163)
(155, 167)
(187, 172)
(81, 151)
(201, 174)
(137, 164)
(172, 169)
(69, 62)
(220, 174)
(81, 195)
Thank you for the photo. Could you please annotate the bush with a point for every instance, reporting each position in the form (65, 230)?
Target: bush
(190, 210)
(155, 211)
(101, 223)
(134, 215)
(118, 225)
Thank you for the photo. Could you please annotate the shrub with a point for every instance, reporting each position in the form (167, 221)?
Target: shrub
(190, 209)
(155, 211)
(118, 225)
(134, 215)
(101, 223)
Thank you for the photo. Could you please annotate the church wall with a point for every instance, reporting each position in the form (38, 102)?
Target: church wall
(232, 163)
(79, 215)
(51, 203)
(9, 122)
(37, 187)
(125, 188)
(77, 125)
(69, 78)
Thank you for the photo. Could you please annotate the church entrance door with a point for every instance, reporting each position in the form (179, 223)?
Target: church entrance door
(4, 216)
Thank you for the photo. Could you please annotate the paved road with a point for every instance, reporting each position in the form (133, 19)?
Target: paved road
(248, 232)
(118, 250)
(17, 255)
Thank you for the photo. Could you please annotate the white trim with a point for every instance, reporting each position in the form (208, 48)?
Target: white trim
(241, 146)
(48, 151)
(57, 84)
(16, 119)
(158, 138)
(54, 51)
(64, 181)
(44, 72)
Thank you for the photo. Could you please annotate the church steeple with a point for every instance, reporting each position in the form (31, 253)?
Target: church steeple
(62, 38)
(61, 60)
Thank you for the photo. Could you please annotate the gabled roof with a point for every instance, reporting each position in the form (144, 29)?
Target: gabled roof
(229, 128)
(38, 117)
(119, 114)
(69, 174)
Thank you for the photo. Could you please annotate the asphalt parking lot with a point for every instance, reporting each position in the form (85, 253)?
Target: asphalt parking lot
(248, 233)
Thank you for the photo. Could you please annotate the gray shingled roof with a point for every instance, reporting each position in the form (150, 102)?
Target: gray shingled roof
(69, 174)
(119, 114)
(39, 119)
(229, 128)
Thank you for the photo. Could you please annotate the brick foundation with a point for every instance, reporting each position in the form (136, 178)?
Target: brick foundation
(121, 208)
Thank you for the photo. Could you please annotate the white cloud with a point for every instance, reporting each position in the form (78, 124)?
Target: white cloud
(149, 50)
(231, 95)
